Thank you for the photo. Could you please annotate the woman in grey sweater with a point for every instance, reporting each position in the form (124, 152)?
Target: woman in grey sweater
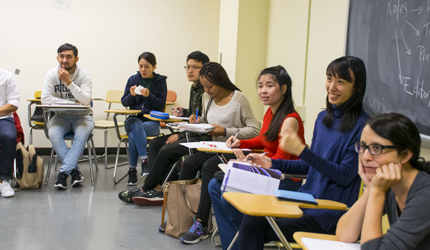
(397, 182)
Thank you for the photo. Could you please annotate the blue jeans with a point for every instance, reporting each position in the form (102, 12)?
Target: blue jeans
(62, 124)
(8, 147)
(137, 132)
(228, 218)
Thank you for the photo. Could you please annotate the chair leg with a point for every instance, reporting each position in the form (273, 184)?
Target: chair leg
(48, 171)
(91, 162)
(278, 232)
(116, 163)
(213, 237)
(56, 158)
(171, 170)
(105, 135)
(233, 241)
(94, 154)
(31, 136)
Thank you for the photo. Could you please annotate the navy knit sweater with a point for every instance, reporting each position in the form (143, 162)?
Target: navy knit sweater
(331, 165)
(156, 99)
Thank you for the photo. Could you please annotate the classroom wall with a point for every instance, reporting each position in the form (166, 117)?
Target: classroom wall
(252, 49)
(287, 42)
(109, 35)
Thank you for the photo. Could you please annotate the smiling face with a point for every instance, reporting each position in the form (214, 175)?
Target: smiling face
(67, 59)
(338, 90)
(269, 91)
(146, 69)
(210, 88)
(372, 162)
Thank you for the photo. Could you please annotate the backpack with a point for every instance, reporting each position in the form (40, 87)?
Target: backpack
(29, 168)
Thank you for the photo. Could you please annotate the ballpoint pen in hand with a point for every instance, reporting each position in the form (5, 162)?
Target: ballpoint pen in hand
(234, 138)
(177, 111)
(253, 158)
(197, 115)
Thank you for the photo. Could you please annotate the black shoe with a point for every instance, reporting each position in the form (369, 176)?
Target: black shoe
(145, 169)
(61, 180)
(132, 177)
(127, 195)
(76, 177)
(149, 198)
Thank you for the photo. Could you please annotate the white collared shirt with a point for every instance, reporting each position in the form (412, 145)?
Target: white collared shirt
(8, 91)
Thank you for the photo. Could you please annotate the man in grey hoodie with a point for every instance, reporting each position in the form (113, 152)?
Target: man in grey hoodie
(68, 84)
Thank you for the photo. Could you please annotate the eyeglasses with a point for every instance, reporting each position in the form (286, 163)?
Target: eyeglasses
(192, 67)
(374, 149)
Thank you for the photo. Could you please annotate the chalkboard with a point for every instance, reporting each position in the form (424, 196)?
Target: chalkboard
(392, 37)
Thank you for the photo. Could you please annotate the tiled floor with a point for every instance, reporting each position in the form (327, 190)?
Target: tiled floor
(84, 217)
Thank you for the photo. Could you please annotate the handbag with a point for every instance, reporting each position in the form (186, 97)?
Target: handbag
(181, 199)
(37, 115)
(29, 168)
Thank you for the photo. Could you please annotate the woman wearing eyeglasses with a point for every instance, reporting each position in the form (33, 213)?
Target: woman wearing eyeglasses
(330, 163)
(397, 184)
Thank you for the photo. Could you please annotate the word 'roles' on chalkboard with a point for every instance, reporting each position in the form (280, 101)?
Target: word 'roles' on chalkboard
(392, 37)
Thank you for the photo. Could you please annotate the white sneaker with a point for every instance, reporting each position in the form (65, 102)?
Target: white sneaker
(6, 190)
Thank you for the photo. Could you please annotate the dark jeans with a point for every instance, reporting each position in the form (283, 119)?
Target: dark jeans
(228, 218)
(8, 147)
(209, 167)
(255, 231)
(161, 157)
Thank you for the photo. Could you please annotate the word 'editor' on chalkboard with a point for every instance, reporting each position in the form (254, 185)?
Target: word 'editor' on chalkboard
(392, 37)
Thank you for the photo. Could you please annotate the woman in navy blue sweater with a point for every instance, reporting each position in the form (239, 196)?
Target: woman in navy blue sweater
(150, 95)
(330, 163)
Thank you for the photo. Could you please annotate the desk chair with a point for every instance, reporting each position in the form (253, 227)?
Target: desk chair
(256, 205)
(38, 125)
(299, 245)
(112, 96)
(170, 100)
(70, 136)
(123, 138)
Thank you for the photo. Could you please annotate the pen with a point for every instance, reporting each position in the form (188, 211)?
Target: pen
(197, 115)
(235, 135)
(253, 158)
(177, 111)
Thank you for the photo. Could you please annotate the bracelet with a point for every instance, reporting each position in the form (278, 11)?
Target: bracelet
(179, 136)
(225, 132)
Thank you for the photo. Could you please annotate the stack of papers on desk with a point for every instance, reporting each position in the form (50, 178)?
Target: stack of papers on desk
(200, 128)
(180, 117)
(210, 144)
(66, 104)
(317, 244)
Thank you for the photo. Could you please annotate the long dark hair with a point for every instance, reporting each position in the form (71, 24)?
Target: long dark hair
(217, 75)
(403, 133)
(281, 77)
(351, 69)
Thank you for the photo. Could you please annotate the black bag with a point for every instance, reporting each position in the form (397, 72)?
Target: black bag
(37, 115)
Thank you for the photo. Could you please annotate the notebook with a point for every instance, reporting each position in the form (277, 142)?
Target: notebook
(317, 244)
(285, 195)
(201, 128)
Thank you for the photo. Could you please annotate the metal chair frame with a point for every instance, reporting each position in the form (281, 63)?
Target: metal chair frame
(70, 136)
